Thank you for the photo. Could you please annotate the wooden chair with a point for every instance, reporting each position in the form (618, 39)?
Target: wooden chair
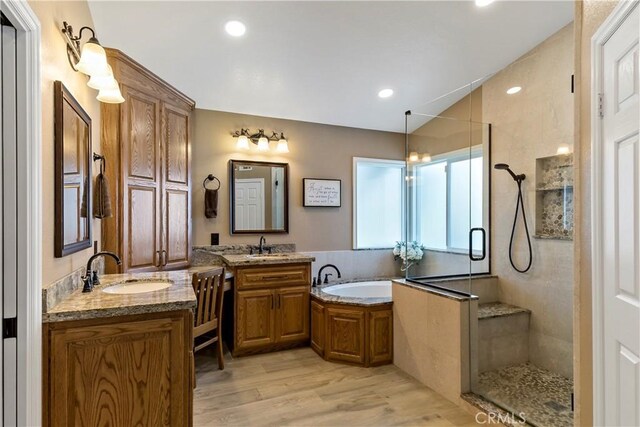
(209, 289)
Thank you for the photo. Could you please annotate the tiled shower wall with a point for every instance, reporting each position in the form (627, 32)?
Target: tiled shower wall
(526, 126)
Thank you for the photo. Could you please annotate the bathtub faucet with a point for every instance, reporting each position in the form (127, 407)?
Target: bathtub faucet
(326, 276)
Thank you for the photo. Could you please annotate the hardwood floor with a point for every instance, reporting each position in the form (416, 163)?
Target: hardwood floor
(296, 387)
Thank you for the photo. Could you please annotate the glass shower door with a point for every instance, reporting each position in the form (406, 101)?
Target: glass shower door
(447, 158)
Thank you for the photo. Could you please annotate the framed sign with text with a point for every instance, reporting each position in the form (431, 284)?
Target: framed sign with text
(321, 192)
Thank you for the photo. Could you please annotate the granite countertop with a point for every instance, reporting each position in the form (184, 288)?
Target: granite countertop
(266, 259)
(436, 291)
(319, 293)
(99, 304)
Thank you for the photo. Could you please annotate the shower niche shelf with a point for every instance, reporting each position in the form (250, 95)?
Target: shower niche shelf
(554, 197)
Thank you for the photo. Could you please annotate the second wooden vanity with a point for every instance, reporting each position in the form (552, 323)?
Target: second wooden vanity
(114, 358)
(271, 301)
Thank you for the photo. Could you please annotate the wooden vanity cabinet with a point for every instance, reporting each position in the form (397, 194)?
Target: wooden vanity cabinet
(147, 145)
(271, 307)
(119, 371)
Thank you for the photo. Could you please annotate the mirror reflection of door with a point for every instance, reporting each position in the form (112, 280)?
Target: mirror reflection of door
(259, 197)
(249, 203)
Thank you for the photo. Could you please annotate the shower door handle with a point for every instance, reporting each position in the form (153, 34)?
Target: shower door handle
(484, 244)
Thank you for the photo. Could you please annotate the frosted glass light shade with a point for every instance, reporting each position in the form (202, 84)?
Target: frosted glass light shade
(413, 156)
(93, 59)
(263, 144)
(110, 96)
(426, 158)
(243, 143)
(283, 146)
(103, 80)
(563, 149)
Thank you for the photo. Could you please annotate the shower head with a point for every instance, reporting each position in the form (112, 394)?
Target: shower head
(504, 166)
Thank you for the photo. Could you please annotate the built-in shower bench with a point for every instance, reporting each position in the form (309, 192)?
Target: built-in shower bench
(503, 335)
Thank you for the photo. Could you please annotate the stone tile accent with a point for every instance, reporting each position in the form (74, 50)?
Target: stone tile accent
(554, 197)
(543, 397)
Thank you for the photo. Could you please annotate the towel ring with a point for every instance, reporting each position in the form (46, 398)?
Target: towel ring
(210, 177)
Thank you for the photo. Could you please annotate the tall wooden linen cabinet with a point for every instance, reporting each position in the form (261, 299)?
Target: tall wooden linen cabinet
(147, 145)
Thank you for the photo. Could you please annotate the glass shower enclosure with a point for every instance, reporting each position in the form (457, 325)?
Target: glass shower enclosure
(448, 182)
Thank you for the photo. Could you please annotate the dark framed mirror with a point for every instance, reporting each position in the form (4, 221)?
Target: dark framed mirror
(259, 197)
(73, 158)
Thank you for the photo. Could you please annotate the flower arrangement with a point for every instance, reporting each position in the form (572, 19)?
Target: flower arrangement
(410, 256)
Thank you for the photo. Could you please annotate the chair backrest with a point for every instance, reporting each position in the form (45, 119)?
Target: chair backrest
(209, 289)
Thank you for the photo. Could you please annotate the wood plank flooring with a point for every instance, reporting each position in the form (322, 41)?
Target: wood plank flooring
(298, 388)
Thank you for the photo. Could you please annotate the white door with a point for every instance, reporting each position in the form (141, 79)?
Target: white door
(618, 214)
(8, 223)
(249, 204)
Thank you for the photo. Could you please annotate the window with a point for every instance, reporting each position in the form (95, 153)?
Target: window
(448, 196)
(378, 212)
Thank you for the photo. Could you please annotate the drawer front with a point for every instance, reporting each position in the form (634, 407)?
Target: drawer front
(273, 276)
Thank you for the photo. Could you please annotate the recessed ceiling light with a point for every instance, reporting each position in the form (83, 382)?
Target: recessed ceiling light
(385, 93)
(513, 90)
(483, 3)
(235, 28)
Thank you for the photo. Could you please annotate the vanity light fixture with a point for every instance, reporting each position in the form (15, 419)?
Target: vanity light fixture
(483, 3)
(514, 90)
(261, 140)
(563, 149)
(385, 93)
(283, 145)
(91, 59)
(415, 157)
(263, 144)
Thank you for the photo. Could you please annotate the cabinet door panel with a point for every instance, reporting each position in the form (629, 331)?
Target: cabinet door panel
(380, 336)
(176, 145)
(255, 319)
(292, 314)
(176, 228)
(317, 327)
(128, 373)
(345, 335)
(142, 228)
(143, 127)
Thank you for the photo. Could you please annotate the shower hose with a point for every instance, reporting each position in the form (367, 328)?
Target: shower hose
(520, 205)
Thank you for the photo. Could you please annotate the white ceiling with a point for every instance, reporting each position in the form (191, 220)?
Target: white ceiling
(325, 62)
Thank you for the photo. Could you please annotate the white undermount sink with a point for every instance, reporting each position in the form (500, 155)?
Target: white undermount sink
(137, 287)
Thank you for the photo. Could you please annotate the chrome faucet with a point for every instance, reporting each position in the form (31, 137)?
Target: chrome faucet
(326, 276)
(90, 277)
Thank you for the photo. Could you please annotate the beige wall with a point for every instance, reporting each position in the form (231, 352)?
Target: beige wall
(55, 66)
(316, 151)
(526, 126)
(450, 130)
(589, 15)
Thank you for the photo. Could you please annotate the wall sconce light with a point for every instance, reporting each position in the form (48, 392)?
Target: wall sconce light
(91, 59)
(261, 140)
(563, 149)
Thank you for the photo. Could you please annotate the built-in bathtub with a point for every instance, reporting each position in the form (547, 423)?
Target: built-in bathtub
(353, 322)
(361, 290)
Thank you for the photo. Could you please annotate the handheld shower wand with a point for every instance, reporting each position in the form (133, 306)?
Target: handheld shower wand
(519, 205)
